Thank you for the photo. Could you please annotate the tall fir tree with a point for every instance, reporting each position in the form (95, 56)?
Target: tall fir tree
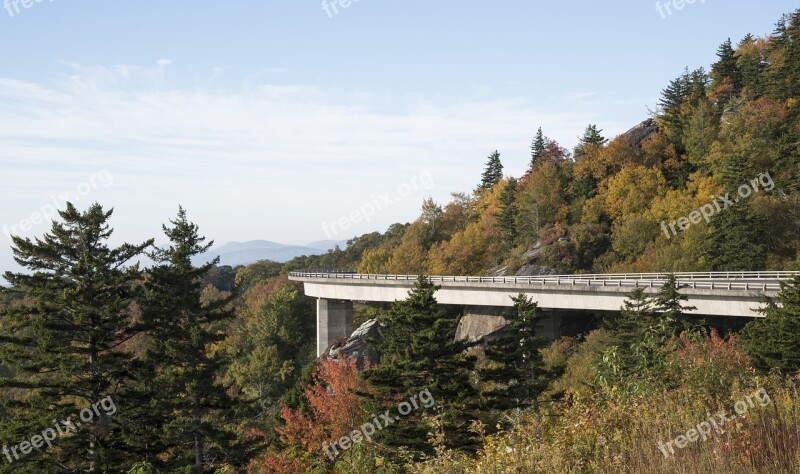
(493, 173)
(736, 237)
(725, 74)
(67, 344)
(751, 63)
(672, 317)
(783, 69)
(515, 372)
(773, 342)
(186, 388)
(508, 214)
(629, 326)
(538, 147)
(592, 136)
(635, 315)
(671, 104)
(419, 352)
(698, 136)
(586, 187)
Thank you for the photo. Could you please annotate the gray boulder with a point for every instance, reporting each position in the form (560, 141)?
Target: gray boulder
(356, 345)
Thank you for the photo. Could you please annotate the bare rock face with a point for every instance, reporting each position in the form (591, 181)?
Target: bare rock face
(481, 321)
(535, 270)
(356, 345)
(640, 133)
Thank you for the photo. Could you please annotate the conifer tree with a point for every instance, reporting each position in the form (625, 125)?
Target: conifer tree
(774, 341)
(493, 173)
(726, 63)
(699, 134)
(516, 371)
(671, 102)
(783, 70)
(418, 352)
(698, 85)
(507, 217)
(668, 304)
(751, 64)
(66, 344)
(537, 147)
(187, 392)
(725, 72)
(629, 326)
(591, 137)
(735, 241)
(635, 315)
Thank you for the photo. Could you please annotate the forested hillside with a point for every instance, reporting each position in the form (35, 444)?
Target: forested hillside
(612, 200)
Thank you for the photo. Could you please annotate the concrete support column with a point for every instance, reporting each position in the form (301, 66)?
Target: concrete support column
(549, 324)
(334, 322)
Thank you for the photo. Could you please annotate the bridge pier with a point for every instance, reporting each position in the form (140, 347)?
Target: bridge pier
(334, 322)
(549, 324)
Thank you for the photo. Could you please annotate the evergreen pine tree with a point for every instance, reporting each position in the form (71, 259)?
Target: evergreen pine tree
(698, 85)
(418, 352)
(671, 102)
(537, 148)
(635, 315)
(751, 66)
(783, 70)
(774, 341)
(66, 344)
(698, 136)
(736, 237)
(507, 217)
(493, 173)
(516, 371)
(672, 317)
(629, 326)
(591, 137)
(725, 72)
(187, 393)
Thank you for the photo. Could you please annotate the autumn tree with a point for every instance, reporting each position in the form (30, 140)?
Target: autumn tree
(334, 407)
(271, 342)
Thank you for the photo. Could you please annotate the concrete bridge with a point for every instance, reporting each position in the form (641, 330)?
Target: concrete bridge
(731, 294)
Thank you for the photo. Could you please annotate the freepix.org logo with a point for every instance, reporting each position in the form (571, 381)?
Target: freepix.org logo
(331, 7)
(15, 7)
(665, 9)
(47, 212)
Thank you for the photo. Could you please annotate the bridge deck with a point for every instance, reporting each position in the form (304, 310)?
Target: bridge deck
(714, 294)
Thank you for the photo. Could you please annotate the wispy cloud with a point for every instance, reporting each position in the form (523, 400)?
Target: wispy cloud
(252, 147)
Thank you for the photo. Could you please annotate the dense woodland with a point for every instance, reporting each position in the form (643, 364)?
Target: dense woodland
(213, 369)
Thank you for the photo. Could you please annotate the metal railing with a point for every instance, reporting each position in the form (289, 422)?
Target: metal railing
(732, 281)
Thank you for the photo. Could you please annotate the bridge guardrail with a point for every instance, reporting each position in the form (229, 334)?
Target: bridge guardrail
(769, 281)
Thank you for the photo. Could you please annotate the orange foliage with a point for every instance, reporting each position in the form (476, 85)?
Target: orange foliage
(334, 405)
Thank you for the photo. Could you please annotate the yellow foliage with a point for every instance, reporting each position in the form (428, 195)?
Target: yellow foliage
(375, 261)
(631, 190)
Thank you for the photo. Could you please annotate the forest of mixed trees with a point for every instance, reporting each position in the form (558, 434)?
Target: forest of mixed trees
(213, 369)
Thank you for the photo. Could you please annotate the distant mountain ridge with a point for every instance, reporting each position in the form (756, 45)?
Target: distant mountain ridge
(245, 253)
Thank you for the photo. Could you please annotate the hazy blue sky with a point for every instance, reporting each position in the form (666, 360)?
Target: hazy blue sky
(267, 119)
